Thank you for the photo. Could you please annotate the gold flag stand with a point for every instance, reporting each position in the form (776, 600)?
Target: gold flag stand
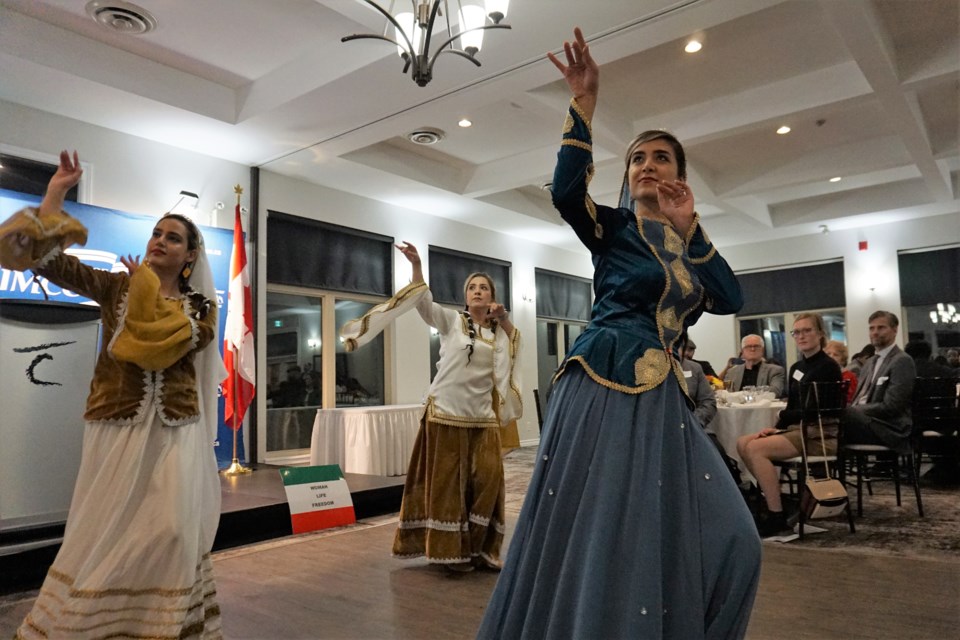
(235, 468)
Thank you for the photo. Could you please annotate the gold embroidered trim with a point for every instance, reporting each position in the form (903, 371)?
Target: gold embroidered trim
(706, 258)
(458, 421)
(693, 229)
(568, 124)
(576, 107)
(609, 384)
(411, 289)
(580, 144)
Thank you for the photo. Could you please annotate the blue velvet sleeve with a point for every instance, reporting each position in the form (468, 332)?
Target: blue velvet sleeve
(594, 224)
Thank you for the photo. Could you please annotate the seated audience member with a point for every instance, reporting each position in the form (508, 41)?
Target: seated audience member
(705, 400)
(754, 371)
(880, 412)
(688, 352)
(700, 391)
(838, 351)
(920, 351)
(858, 359)
(953, 358)
(293, 391)
(782, 442)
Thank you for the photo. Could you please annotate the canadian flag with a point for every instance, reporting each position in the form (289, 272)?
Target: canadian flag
(238, 356)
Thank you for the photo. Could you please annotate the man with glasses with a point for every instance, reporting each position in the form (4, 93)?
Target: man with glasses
(754, 371)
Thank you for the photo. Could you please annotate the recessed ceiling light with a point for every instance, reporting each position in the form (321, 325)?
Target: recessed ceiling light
(784, 129)
(465, 123)
(693, 46)
(835, 179)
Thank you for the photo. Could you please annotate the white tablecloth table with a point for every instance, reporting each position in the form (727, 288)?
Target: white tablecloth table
(737, 420)
(370, 440)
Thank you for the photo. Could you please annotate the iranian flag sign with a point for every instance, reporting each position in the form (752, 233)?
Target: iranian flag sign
(319, 497)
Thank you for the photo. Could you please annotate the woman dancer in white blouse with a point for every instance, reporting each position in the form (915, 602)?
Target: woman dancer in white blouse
(452, 510)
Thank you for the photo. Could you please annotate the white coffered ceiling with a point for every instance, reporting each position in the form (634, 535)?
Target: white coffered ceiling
(869, 87)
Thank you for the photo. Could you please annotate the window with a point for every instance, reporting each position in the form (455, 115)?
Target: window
(930, 294)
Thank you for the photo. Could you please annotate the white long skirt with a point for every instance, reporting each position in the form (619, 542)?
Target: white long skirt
(135, 559)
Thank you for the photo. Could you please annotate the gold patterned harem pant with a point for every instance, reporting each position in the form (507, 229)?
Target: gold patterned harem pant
(452, 510)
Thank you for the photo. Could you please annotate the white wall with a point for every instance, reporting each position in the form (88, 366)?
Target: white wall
(125, 172)
(871, 277)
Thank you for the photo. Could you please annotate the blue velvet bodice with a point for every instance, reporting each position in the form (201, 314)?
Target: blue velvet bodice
(649, 282)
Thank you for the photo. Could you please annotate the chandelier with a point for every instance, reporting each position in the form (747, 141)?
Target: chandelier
(413, 31)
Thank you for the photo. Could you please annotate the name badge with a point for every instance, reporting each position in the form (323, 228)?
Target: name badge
(798, 375)
(688, 374)
(882, 379)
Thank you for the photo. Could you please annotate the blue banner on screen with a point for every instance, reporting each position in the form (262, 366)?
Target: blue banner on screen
(113, 234)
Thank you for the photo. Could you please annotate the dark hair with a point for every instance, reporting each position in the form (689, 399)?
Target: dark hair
(918, 349)
(658, 134)
(193, 243)
(891, 318)
(867, 352)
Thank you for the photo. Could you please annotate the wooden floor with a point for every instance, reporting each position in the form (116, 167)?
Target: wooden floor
(344, 584)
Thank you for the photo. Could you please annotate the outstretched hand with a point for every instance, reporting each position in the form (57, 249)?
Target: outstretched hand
(131, 263)
(409, 252)
(676, 203)
(581, 71)
(67, 175)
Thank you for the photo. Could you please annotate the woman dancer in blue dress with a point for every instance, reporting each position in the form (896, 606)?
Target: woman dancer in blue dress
(632, 526)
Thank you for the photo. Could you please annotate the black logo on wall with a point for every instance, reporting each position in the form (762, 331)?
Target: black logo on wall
(31, 376)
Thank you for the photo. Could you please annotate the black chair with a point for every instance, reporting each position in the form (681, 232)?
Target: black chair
(536, 401)
(936, 419)
(876, 462)
(821, 402)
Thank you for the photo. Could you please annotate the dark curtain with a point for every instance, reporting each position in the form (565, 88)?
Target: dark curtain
(563, 297)
(28, 176)
(929, 277)
(309, 253)
(817, 286)
(449, 270)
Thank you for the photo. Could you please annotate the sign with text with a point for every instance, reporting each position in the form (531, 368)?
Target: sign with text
(319, 497)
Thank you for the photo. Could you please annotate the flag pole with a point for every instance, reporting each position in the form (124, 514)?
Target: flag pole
(235, 468)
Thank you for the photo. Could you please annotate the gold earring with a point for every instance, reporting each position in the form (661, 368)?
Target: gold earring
(186, 271)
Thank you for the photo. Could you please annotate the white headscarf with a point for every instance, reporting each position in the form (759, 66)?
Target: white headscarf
(208, 363)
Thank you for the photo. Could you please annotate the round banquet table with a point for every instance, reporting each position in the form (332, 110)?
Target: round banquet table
(737, 420)
(369, 440)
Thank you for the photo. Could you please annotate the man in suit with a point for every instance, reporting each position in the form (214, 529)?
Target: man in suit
(705, 400)
(880, 411)
(754, 371)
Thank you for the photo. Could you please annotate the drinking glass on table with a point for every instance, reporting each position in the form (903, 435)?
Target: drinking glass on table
(749, 394)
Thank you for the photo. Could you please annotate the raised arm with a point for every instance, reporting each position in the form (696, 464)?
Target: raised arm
(66, 177)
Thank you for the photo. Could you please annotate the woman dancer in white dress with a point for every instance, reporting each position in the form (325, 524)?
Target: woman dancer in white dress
(135, 559)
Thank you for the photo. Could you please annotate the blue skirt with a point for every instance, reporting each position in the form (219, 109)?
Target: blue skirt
(632, 526)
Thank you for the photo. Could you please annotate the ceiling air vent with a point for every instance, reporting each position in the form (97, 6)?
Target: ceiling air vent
(122, 17)
(425, 136)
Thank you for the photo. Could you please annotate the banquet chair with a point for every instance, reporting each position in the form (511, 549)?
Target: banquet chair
(820, 401)
(536, 401)
(876, 462)
(936, 417)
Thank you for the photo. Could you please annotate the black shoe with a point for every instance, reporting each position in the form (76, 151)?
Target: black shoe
(775, 524)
